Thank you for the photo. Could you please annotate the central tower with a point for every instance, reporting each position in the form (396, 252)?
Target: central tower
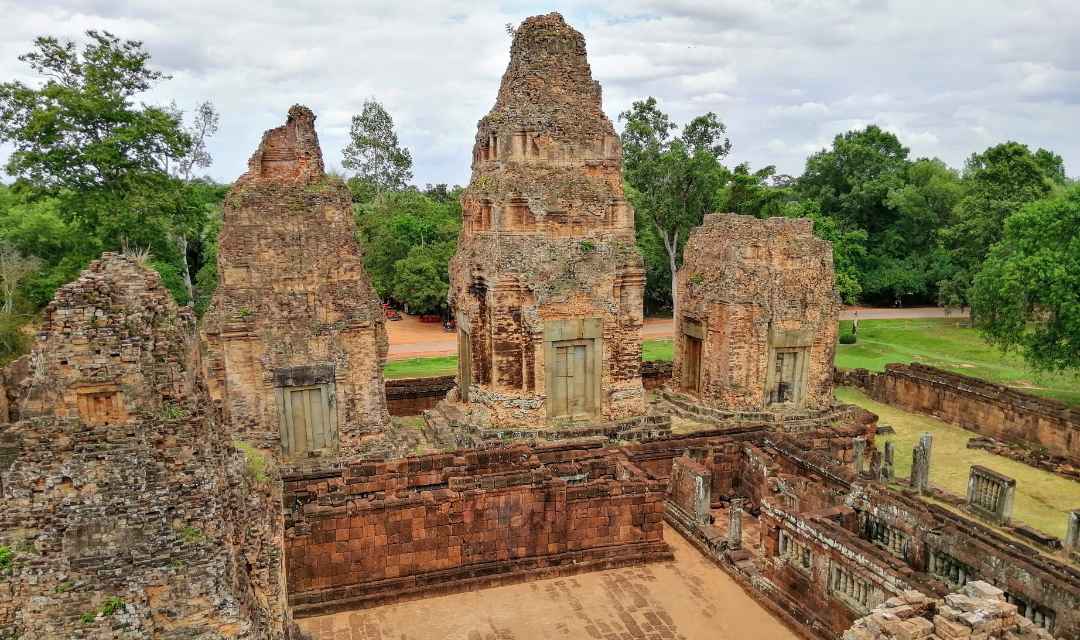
(547, 282)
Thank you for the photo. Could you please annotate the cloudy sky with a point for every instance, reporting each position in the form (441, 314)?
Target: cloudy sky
(949, 78)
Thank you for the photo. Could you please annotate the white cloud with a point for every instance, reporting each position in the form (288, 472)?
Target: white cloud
(785, 76)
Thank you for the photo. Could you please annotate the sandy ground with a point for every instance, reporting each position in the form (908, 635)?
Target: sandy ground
(410, 338)
(688, 599)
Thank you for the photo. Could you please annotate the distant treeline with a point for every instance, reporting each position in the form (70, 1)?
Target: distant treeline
(96, 170)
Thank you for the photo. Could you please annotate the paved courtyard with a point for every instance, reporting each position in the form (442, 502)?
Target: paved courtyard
(688, 599)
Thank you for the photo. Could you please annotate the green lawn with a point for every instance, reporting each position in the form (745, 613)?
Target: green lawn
(944, 343)
(657, 350)
(1042, 498)
(420, 367)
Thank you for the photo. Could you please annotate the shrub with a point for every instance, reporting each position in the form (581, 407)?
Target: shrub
(7, 560)
(112, 605)
(848, 338)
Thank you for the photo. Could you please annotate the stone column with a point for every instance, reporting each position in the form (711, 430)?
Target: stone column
(734, 537)
(859, 452)
(1072, 535)
(920, 463)
(887, 465)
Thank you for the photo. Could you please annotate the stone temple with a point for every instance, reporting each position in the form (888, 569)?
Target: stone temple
(242, 480)
(547, 283)
(756, 322)
(295, 341)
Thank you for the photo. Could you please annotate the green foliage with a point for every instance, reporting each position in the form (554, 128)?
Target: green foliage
(255, 463)
(849, 246)
(848, 338)
(1027, 294)
(587, 246)
(759, 193)
(673, 180)
(408, 239)
(112, 605)
(14, 340)
(95, 168)
(191, 535)
(997, 183)
(173, 412)
(7, 560)
(374, 153)
(88, 617)
(421, 278)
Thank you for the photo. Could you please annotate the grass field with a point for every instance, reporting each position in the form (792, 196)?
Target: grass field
(944, 343)
(1042, 498)
(447, 365)
(420, 367)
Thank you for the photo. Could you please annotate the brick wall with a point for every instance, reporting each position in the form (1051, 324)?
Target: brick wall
(983, 407)
(376, 532)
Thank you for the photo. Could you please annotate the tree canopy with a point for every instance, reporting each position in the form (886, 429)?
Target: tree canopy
(374, 154)
(1026, 295)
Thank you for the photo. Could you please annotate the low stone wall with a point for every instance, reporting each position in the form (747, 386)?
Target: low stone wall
(983, 407)
(412, 396)
(379, 532)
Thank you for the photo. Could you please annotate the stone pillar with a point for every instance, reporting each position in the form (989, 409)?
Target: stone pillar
(1072, 534)
(734, 536)
(858, 453)
(888, 470)
(920, 463)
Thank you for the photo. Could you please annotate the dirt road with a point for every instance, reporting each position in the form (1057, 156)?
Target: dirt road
(410, 338)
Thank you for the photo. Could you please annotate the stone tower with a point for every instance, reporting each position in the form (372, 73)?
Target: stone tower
(547, 283)
(118, 490)
(756, 322)
(295, 341)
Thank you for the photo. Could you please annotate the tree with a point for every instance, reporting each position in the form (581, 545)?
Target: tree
(997, 182)
(204, 126)
(14, 266)
(79, 139)
(673, 180)
(848, 244)
(421, 278)
(374, 153)
(753, 193)
(1026, 294)
(406, 226)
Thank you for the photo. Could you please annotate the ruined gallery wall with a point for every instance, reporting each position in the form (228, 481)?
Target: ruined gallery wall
(927, 531)
(294, 307)
(750, 287)
(983, 407)
(118, 492)
(376, 532)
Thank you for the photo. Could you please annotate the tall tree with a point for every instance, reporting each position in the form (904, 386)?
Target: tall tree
(673, 180)
(1026, 294)
(80, 138)
(374, 153)
(204, 125)
(997, 182)
(14, 267)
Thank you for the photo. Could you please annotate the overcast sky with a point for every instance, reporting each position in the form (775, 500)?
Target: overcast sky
(949, 78)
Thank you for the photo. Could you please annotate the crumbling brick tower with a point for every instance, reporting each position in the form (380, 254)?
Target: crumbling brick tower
(547, 283)
(119, 495)
(756, 316)
(294, 336)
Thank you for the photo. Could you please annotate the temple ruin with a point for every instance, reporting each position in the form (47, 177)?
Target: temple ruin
(756, 316)
(162, 480)
(547, 283)
(294, 335)
(121, 494)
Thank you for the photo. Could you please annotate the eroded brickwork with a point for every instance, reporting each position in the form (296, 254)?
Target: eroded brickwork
(547, 283)
(379, 532)
(124, 502)
(755, 327)
(294, 336)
